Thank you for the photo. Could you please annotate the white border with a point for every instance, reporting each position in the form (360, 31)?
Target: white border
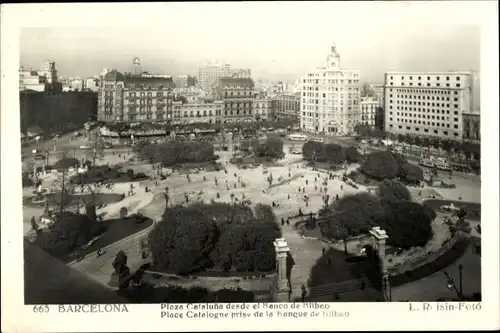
(393, 316)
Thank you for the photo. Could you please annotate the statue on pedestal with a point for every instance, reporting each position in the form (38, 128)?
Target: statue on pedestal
(120, 276)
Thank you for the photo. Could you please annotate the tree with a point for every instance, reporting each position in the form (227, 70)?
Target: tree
(351, 215)
(182, 241)
(408, 224)
(393, 190)
(310, 148)
(66, 163)
(380, 165)
(412, 173)
(334, 153)
(69, 231)
(352, 155)
(417, 141)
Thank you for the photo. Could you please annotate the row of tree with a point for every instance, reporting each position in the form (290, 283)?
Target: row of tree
(220, 235)
(174, 152)
(254, 125)
(329, 152)
(389, 165)
(449, 146)
(272, 147)
(408, 224)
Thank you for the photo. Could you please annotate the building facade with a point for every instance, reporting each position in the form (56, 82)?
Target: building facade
(31, 80)
(237, 95)
(427, 104)
(330, 98)
(371, 112)
(286, 106)
(209, 75)
(207, 111)
(471, 126)
(262, 107)
(135, 98)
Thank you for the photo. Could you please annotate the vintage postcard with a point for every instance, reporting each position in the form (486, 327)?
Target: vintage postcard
(249, 166)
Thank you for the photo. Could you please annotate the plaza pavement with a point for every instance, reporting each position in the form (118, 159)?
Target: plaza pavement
(305, 251)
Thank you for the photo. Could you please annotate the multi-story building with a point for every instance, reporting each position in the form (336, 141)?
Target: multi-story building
(42, 80)
(237, 95)
(371, 112)
(209, 75)
(135, 98)
(56, 111)
(203, 111)
(49, 71)
(427, 104)
(31, 80)
(181, 81)
(286, 106)
(378, 92)
(91, 84)
(471, 126)
(330, 98)
(262, 107)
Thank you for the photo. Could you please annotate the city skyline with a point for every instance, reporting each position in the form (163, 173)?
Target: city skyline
(443, 40)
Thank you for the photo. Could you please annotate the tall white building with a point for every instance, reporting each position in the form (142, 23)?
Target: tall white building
(49, 71)
(330, 98)
(209, 75)
(428, 103)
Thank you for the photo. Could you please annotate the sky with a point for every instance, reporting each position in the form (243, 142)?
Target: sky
(276, 40)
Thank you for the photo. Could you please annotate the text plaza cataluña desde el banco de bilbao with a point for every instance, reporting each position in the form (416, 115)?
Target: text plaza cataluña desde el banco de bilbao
(245, 310)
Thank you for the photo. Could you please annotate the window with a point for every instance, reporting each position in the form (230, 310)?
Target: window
(458, 85)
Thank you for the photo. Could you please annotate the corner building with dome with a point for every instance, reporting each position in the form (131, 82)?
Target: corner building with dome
(330, 98)
(135, 98)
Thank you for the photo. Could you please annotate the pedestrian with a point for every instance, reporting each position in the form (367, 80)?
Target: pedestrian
(307, 182)
(99, 253)
(337, 197)
(323, 250)
(328, 261)
(288, 196)
(288, 222)
(341, 187)
(282, 222)
(303, 293)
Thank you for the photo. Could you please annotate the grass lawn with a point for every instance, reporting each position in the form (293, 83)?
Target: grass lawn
(112, 231)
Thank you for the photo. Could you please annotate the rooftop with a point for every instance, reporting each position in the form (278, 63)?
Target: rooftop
(233, 80)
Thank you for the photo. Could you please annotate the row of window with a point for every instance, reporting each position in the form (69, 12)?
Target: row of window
(237, 105)
(433, 98)
(427, 85)
(426, 130)
(423, 122)
(455, 106)
(428, 78)
(427, 110)
(416, 115)
(426, 91)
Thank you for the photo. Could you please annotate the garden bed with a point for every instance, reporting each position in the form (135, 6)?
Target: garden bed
(74, 199)
(445, 260)
(112, 231)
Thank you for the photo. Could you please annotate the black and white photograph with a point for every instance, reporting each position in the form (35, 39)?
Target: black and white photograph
(252, 152)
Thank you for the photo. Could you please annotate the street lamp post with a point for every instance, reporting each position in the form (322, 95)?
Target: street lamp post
(451, 282)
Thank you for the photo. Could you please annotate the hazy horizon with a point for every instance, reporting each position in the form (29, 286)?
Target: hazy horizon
(277, 41)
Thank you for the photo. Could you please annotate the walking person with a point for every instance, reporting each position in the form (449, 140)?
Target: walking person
(303, 293)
